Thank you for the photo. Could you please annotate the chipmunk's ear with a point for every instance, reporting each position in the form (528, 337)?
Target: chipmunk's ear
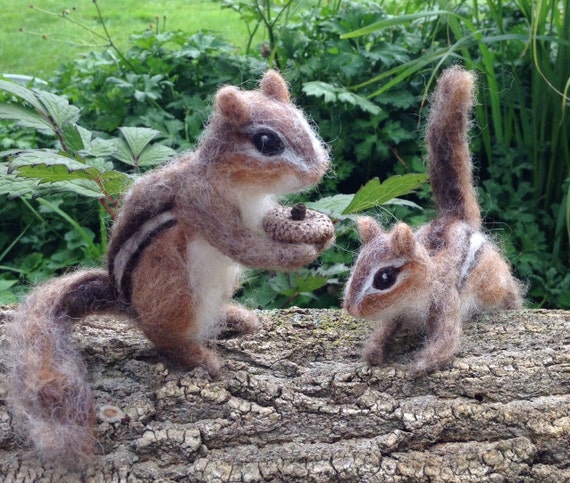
(273, 85)
(402, 240)
(230, 102)
(368, 228)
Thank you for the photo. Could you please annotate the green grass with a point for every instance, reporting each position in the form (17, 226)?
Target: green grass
(33, 42)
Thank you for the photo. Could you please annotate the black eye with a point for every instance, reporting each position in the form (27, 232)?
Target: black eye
(385, 278)
(267, 143)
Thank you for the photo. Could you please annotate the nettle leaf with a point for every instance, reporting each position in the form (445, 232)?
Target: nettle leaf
(59, 109)
(155, 154)
(97, 147)
(14, 186)
(374, 193)
(309, 282)
(123, 152)
(51, 173)
(6, 296)
(72, 138)
(24, 116)
(83, 187)
(95, 180)
(45, 157)
(6, 284)
(135, 148)
(115, 183)
(320, 89)
(89, 182)
(101, 147)
(332, 93)
(23, 93)
(333, 206)
(401, 202)
(359, 101)
(94, 147)
(138, 138)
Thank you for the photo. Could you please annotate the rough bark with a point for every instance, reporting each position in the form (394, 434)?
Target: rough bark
(294, 402)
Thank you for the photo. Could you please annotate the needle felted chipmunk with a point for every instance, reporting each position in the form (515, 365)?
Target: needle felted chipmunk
(437, 277)
(174, 259)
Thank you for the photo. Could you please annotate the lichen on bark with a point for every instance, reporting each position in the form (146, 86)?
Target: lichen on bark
(295, 402)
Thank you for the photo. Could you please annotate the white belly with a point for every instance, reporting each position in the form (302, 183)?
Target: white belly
(213, 278)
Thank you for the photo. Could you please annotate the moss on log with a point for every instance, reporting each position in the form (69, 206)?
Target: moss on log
(294, 402)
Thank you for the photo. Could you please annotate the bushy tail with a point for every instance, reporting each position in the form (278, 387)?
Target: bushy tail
(47, 391)
(450, 165)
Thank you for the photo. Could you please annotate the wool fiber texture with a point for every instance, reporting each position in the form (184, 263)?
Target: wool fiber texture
(174, 260)
(438, 276)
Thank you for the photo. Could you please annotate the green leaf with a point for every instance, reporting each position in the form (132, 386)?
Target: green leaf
(331, 205)
(82, 187)
(123, 152)
(138, 138)
(332, 93)
(401, 202)
(80, 230)
(155, 154)
(114, 182)
(88, 182)
(374, 193)
(309, 282)
(16, 187)
(7, 298)
(94, 180)
(24, 116)
(360, 101)
(96, 147)
(23, 93)
(6, 284)
(31, 262)
(391, 21)
(47, 158)
(59, 109)
(319, 88)
(55, 172)
(72, 138)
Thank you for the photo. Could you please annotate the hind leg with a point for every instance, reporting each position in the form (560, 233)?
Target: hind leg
(494, 284)
(165, 305)
(375, 347)
(443, 339)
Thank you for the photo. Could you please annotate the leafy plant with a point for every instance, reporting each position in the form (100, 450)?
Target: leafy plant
(362, 70)
(520, 48)
(80, 163)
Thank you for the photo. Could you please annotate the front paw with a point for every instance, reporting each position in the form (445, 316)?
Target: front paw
(373, 354)
(422, 366)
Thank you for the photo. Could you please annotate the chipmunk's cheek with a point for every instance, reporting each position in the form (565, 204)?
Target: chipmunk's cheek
(382, 303)
(372, 306)
(352, 309)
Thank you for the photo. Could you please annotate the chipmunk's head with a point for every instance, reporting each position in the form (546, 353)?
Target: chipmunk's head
(259, 140)
(390, 275)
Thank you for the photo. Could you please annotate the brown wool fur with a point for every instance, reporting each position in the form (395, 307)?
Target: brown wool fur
(173, 261)
(442, 274)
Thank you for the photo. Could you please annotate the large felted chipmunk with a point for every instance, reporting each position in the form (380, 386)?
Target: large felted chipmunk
(174, 259)
(437, 277)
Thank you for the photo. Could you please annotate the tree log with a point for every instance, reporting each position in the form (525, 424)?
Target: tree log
(295, 402)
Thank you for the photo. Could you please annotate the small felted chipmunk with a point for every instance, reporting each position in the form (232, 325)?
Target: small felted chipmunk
(437, 277)
(174, 259)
